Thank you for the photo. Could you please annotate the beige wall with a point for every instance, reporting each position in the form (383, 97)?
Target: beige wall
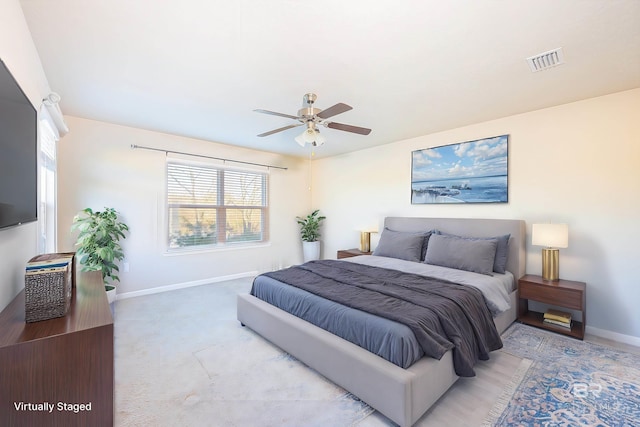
(577, 163)
(18, 244)
(98, 168)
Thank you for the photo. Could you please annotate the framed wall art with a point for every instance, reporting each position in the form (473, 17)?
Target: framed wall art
(466, 172)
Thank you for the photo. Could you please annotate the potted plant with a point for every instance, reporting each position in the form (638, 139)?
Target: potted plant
(98, 244)
(310, 233)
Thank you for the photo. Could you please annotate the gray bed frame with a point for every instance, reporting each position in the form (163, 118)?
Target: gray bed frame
(403, 395)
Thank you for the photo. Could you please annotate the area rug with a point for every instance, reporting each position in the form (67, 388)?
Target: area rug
(567, 382)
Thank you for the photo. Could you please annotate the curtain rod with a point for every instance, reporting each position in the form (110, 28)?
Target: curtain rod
(207, 157)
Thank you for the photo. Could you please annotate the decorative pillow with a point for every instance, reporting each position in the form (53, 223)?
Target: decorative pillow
(502, 250)
(402, 245)
(425, 244)
(463, 254)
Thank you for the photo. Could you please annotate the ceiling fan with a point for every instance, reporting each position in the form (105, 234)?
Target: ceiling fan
(311, 117)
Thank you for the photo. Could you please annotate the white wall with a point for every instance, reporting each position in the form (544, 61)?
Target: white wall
(97, 168)
(577, 163)
(18, 244)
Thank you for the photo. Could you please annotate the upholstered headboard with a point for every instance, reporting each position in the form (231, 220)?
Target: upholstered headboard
(472, 228)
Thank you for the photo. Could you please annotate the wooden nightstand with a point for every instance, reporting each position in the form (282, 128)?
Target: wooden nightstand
(561, 293)
(346, 253)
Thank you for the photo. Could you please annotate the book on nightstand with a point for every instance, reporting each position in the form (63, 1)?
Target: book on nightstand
(558, 318)
(556, 323)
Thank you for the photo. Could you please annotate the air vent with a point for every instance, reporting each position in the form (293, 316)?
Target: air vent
(546, 60)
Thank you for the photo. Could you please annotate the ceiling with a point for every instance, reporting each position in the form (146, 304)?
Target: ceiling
(199, 68)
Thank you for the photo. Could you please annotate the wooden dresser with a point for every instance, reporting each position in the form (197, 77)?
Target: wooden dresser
(64, 363)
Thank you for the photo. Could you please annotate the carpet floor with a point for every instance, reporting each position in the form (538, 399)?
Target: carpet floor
(182, 359)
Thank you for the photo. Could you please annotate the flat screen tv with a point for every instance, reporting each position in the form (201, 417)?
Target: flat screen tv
(18, 153)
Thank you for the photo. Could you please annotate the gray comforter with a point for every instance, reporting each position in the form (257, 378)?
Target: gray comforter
(442, 315)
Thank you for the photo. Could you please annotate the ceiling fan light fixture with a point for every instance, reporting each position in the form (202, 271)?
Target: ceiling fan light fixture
(312, 117)
(309, 135)
(320, 139)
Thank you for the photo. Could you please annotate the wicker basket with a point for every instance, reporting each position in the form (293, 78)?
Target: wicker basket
(48, 286)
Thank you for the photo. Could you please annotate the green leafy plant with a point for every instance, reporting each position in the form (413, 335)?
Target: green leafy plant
(98, 241)
(310, 226)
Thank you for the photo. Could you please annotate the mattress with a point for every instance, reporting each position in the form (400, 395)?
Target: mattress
(386, 338)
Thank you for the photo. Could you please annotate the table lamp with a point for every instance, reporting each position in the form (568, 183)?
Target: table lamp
(365, 238)
(552, 237)
(365, 241)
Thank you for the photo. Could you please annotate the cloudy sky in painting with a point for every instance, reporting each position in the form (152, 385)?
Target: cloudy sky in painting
(473, 159)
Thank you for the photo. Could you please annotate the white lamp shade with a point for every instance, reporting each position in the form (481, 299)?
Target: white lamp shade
(309, 135)
(319, 138)
(550, 235)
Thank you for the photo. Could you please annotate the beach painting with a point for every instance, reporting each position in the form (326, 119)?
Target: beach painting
(467, 172)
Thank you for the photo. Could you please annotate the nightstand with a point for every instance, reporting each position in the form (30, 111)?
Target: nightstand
(561, 293)
(347, 253)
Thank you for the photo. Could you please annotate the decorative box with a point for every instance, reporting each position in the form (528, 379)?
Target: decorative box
(48, 286)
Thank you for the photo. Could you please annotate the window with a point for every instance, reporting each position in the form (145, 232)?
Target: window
(212, 206)
(47, 209)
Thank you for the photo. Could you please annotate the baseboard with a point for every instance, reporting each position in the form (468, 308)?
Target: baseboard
(603, 333)
(183, 285)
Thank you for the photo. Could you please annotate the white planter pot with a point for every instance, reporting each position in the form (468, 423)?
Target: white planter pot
(310, 251)
(111, 293)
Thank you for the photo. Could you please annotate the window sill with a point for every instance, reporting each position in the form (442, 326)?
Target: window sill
(212, 249)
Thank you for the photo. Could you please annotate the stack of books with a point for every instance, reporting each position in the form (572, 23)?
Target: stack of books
(48, 266)
(558, 318)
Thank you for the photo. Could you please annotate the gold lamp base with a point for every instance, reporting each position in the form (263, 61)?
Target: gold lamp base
(365, 241)
(550, 264)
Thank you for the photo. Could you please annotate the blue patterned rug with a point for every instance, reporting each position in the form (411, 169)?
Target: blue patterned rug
(567, 382)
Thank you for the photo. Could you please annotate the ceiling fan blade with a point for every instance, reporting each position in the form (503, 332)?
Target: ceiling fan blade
(334, 110)
(273, 113)
(271, 132)
(349, 128)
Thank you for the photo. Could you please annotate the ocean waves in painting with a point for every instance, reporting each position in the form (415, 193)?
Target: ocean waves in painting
(491, 189)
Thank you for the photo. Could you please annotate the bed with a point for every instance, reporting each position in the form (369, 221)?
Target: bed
(401, 394)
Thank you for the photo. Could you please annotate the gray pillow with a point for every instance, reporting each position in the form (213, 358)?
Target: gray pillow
(502, 250)
(400, 244)
(463, 254)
